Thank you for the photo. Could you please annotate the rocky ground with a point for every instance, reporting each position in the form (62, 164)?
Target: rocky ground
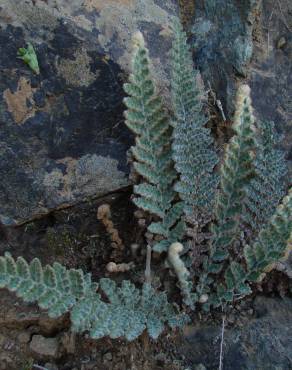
(257, 331)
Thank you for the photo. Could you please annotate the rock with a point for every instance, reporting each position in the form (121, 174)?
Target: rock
(243, 41)
(50, 366)
(263, 342)
(45, 347)
(62, 134)
(68, 341)
(23, 337)
(107, 357)
(270, 72)
(15, 315)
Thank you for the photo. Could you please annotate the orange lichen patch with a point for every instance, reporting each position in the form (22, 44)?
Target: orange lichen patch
(91, 5)
(17, 102)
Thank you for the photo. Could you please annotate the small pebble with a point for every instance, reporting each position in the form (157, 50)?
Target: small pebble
(50, 366)
(23, 337)
(107, 357)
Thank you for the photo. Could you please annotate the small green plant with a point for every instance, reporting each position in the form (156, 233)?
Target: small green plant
(175, 159)
(28, 55)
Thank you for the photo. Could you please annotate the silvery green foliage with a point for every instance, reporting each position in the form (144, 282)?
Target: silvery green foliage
(272, 243)
(193, 150)
(146, 117)
(235, 174)
(127, 313)
(267, 188)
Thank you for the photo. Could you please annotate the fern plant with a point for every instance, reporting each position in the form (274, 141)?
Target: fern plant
(146, 117)
(193, 151)
(237, 175)
(128, 312)
(267, 188)
(173, 165)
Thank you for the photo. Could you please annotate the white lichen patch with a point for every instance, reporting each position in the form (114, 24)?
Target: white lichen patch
(89, 176)
(77, 72)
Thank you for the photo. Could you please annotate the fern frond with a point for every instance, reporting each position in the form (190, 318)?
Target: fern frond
(236, 173)
(127, 313)
(193, 151)
(146, 117)
(273, 242)
(267, 188)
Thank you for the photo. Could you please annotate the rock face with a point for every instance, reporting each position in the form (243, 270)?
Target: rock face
(249, 40)
(263, 342)
(62, 138)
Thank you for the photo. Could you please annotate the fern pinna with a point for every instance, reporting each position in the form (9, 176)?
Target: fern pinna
(146, 117)
(267, 188)
(127, 313)
(193, 150)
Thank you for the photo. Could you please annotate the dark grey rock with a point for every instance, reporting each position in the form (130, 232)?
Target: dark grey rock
(261, 343)
(62, 137)
(238, 41)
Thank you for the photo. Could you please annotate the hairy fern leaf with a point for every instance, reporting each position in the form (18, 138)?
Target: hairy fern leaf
(236, 173)
(146, 117)
(273, 242)
(267, 188)
(127, 312)
(193, 151)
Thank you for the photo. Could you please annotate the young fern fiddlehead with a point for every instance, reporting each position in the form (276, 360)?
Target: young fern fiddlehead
(146, 117)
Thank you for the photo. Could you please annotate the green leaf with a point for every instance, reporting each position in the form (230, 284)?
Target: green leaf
(157, 228)
(161, 246)
(36, 271)
(220, 255)
(50, 277)
(238, 272)
(28, 55)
